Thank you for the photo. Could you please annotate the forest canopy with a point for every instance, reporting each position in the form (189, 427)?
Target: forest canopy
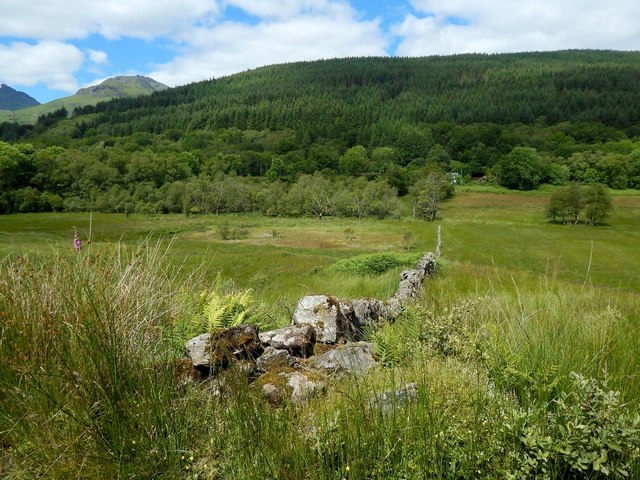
(517, 119)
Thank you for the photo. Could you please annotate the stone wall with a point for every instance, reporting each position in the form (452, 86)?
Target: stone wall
(326, 337)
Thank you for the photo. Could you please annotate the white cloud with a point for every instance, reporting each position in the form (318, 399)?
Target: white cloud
(289, 8)
(50, 62)
(526, 25)
(66, 19)
(98, 56)
(288, 30)
(232, 47)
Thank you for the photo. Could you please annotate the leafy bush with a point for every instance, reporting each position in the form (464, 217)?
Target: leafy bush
(237, 233)
(588, 434)
(376, 263)
(419, 331)
(450, 333)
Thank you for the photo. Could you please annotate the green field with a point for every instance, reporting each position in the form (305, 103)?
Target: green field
(505, 230)
(524, 346)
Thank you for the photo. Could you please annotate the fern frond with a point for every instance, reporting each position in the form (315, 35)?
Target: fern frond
(226, 310)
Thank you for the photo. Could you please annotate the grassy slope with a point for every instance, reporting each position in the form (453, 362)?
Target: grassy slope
(509, 230)
(31, 114)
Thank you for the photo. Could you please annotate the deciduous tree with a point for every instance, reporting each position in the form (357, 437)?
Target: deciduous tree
(597, 204)
(427, 194)
(521, 169)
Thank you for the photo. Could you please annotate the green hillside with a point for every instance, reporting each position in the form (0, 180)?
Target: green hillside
(115, 87)
(345, 95)
(265, 140)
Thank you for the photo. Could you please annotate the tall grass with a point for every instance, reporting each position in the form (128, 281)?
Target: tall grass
(542, 326)
(87, 390)
(86, 387)
(453, 428)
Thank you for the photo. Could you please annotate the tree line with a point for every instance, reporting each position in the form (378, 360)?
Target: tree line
(57, 179)
(146, 173)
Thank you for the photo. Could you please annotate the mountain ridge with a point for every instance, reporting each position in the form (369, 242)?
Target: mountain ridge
(12, 99)
(122, 86)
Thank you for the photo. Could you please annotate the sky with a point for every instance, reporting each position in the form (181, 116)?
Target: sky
(51, 48)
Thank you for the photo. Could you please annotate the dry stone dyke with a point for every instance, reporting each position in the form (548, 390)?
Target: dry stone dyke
(284, 359)
(298, 386)
(338, 321)
(199, 349)
(323, 313)
(218, 349)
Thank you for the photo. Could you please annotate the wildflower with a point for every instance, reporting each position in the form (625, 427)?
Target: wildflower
(77, 244)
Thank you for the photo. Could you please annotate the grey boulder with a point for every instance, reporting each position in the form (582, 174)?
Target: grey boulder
(297, 340)
(354, 358)
(323, 313)
(273, 359)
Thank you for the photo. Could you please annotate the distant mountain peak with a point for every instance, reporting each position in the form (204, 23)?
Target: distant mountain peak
(11, 99)
(123, 86)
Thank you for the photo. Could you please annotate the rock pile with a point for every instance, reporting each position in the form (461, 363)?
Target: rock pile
(326, 338)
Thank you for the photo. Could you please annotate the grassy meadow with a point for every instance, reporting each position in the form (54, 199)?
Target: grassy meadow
(524, 346)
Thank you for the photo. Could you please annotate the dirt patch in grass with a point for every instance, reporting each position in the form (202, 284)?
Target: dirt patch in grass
(313, 238)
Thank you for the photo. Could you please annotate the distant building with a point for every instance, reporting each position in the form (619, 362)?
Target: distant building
(454, 178)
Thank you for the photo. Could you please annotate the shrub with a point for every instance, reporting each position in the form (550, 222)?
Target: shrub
(236, 233)
(377, 263)
(451, 333)
(588, 434)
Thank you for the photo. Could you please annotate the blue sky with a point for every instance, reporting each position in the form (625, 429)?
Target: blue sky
(50, 48)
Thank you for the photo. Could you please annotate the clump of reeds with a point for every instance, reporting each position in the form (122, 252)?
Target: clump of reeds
(85, 369)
